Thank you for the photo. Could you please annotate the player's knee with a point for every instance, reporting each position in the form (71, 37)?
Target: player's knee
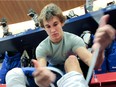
(15, 75)
(14, 72)
(72, 59)
(72, 64)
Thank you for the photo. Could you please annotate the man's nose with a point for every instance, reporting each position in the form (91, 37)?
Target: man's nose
(53, 29)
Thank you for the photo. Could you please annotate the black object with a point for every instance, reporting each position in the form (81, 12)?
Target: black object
(111, 3)
(25, 61)
(71, 14)
(34, 16)
(5, 27)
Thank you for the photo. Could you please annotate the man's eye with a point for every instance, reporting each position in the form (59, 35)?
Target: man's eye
(47, 26)
(55, 24)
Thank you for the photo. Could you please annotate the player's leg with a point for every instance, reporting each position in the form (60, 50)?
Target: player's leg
(16, 78)
(74, 76)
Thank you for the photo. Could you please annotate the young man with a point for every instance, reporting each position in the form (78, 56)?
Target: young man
(60, 49)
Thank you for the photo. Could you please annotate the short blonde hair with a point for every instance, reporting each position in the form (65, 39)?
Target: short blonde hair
(48, 12)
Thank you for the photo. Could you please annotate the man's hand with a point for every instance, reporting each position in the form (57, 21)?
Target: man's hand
(104, 34)
(43, 77)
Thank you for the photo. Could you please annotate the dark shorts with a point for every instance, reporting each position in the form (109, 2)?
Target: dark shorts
(29, 70)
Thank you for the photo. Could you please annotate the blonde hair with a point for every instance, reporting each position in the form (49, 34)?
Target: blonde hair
(48, 12)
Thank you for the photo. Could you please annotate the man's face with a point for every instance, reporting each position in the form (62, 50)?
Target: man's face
(53, 27)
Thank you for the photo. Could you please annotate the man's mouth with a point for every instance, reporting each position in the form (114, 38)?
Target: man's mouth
(56, 34)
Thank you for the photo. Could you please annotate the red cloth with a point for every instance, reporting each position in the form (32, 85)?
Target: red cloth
(2, 85)
(104, 80)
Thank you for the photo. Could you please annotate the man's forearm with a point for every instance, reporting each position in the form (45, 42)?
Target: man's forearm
(100, 59)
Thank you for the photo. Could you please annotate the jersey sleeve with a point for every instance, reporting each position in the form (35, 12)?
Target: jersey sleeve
(41, 51)
(77, 42)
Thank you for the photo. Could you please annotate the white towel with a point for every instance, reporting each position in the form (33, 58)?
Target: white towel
(72, 79)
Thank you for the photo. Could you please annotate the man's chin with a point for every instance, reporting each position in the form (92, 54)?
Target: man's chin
(56, 40)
